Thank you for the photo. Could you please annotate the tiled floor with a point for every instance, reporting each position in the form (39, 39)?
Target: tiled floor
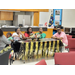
(49, 61)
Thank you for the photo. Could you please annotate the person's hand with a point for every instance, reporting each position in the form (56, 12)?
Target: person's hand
(28, 37)
(20, 33)
(55, 37)
(10, 45)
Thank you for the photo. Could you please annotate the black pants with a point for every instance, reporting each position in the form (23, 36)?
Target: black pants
(16, 46)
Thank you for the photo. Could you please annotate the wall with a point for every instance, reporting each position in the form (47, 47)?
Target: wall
(45, 17)
(68, 17)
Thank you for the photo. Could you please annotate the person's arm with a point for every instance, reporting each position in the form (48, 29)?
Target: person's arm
(54, 36)
(26, 36)
(5, 40)
(59, 38)
(62, 36)
(45, 35)
(23, 37)
(11, 40)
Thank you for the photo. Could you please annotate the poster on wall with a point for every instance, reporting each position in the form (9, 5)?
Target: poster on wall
(55, 18)
(57, 14)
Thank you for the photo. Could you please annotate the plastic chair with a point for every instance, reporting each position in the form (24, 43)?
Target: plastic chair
(64, 58)
(42, 62)
(11, 59)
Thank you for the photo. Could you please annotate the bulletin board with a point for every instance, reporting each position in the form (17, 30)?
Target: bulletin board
(57, 15)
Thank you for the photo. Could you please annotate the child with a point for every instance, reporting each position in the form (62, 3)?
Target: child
(9, 36)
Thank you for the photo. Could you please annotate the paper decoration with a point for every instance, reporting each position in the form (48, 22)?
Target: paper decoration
(46, 24)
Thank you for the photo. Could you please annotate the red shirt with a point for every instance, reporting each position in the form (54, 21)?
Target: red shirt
(26, 34)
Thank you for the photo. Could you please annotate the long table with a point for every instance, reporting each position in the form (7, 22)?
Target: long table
(36, 49)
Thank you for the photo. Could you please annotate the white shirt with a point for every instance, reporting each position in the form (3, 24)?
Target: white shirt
(16, 38)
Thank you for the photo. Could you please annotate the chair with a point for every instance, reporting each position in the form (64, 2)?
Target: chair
(71, 44)
(64, 58)
(42, 62)
(11, 59)
(68, 36)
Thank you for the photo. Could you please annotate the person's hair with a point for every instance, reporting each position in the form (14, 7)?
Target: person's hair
(1, 32)
(9, 34)
(59, 26)
(28, 30)
(16, 29)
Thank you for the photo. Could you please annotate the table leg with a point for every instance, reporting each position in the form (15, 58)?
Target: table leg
(24, 53)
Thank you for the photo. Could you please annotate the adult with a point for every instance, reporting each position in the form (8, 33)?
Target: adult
(42, 35)
(3, 40)
(28, 33)
(16, 45)
(60, 35)
(18, 34)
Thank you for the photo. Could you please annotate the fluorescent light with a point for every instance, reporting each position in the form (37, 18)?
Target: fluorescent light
(9, 11)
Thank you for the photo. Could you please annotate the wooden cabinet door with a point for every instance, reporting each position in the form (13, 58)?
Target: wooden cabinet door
(36, 19)
(6, 15)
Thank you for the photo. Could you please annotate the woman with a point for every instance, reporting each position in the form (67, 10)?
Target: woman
(16, 45)
(18, 34)
(28, 33)
(3, 40)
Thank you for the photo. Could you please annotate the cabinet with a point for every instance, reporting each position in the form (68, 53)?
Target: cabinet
(36, 19)
(6, 15)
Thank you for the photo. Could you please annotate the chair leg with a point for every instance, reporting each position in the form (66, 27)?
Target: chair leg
(11, 60)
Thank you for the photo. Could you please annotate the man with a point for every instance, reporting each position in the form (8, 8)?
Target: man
(60, 36)
(42, 35)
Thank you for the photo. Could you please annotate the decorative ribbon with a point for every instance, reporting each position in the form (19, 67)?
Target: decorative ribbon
(36, 50)
(31, 49)
(41, 48)
(58, 45)
(26, 51)
(49, 49)
(45, 47)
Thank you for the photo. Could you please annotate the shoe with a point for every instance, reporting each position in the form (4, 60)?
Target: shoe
(13, 59)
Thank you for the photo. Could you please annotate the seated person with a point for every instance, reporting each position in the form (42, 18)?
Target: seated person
(18, 34)
(28, 33)
(9, 36)
(16, 46)
(61, 36)
(42, 35)
(3, 40)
